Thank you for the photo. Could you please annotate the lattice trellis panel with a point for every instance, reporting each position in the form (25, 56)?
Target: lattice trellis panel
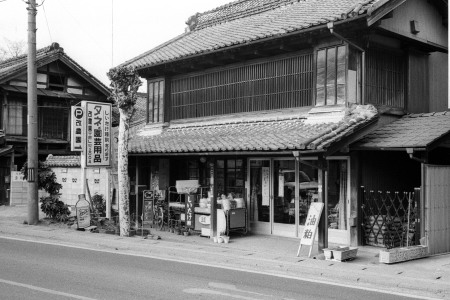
(389, 218)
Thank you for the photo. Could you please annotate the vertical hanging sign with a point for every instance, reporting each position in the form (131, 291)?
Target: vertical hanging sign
(98, 133)
(265, 173)
(78, 119)
(190, 211)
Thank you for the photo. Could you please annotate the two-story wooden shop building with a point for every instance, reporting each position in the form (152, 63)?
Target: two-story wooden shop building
(263, 100)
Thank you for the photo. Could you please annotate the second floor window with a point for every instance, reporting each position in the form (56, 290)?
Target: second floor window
(155, 104)
(266, 84)
(52, 120)
(330, 84)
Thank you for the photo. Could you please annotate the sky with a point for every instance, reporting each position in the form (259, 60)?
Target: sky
(100, 34)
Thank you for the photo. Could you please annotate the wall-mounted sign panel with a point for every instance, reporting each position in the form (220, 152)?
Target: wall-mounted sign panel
(78, 120)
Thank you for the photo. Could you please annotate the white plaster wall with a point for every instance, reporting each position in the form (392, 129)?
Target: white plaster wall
(70, 178)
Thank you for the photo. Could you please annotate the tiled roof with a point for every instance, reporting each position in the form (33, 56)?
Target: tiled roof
(13, 66)
(246, 21)
(411, 131)
(269, 134)
(63, 161)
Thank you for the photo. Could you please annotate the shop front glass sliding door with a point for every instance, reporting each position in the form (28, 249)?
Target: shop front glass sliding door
(271, 194)
(260, 195)
(283, 207)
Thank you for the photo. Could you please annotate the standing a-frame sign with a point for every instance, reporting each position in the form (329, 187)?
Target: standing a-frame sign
(312, 221)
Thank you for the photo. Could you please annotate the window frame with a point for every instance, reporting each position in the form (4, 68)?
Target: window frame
(325, 101)
(150, 116)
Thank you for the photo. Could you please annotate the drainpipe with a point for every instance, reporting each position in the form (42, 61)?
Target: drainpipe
(330, 26)
(410, 152)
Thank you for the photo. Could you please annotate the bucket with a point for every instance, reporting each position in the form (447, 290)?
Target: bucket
(240, 202)
(226, 204)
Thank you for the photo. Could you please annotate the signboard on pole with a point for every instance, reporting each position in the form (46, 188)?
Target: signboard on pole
(312, 222)
(98, 133)
(78, 119)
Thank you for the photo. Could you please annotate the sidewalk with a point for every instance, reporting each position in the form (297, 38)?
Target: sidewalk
(428, 277)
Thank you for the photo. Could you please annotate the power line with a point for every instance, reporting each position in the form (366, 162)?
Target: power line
(112, 33)
(46, 21)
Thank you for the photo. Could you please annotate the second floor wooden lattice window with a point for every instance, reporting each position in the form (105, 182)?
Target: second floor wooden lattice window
(155, 104)
(285, 82)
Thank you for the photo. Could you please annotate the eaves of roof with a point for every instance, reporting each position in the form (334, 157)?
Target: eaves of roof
(291, 133)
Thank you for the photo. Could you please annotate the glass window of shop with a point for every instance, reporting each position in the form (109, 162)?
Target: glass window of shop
(230, 176)
(308, 190)
(284, 191)
(337, 194)
(260, 190)
(278, 182)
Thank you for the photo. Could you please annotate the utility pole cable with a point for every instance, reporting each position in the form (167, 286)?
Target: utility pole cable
(32, 141)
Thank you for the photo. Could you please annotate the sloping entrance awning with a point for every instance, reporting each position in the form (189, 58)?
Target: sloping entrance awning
(6, 150)
(307, 132)
(416, 131)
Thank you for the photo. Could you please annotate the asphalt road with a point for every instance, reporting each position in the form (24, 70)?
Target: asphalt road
(40, 271)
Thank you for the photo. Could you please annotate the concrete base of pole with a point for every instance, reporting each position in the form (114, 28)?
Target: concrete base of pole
(33, 204)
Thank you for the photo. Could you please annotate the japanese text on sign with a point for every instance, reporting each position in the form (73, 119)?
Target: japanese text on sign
(190, 211)
(77, 125)
(312, 221)
(98, 133)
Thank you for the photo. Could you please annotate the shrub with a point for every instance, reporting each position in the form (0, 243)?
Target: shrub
(99, 205)
(54, 208)
(47, 178)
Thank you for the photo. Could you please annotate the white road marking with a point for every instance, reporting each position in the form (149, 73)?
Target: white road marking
(217, 293)
(214, 265)
(44, 290)
(232, 287)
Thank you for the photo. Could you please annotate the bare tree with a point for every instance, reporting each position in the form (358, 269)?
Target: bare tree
(12, 49)
(125, 83)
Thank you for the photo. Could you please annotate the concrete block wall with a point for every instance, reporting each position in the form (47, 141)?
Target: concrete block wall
(70, 179)
(19, 189)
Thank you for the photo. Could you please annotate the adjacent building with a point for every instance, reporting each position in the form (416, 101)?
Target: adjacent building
(61, 83)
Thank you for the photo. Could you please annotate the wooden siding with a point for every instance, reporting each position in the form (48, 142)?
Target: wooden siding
(385, 78)
(438, 81)
(429, 19)
(281, 83)
(437, 208)
(418, 91)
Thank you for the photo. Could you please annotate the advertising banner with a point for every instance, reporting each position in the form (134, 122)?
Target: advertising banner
(98, 133)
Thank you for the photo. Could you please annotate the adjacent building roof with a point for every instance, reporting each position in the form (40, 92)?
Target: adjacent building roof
(63, 161)
(285, 132)
(411, 131)
(247, 21)
(16, 66)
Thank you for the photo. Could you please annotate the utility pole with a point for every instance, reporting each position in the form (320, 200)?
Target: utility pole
(32, 120)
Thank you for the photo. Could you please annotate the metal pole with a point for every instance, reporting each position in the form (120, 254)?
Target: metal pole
(32, 121)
